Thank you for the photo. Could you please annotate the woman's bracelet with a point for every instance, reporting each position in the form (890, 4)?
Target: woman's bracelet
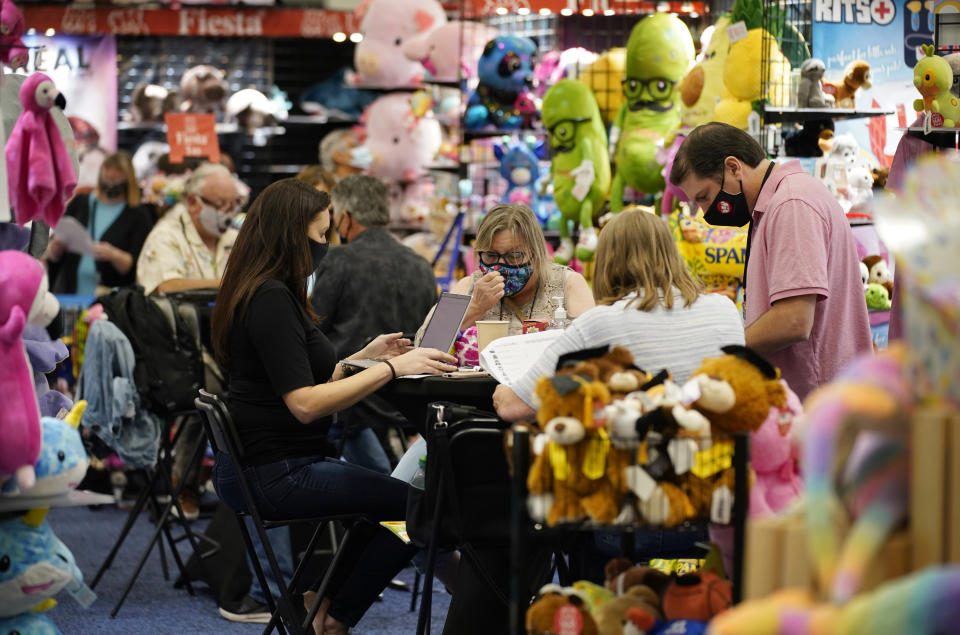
(393, 371)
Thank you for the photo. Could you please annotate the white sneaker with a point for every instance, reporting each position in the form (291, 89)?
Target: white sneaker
(246, 611)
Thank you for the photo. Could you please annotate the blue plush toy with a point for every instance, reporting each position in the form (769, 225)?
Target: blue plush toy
(37, 564)
(504, 97)
(519, 165)
(28, 624)
(63, 460)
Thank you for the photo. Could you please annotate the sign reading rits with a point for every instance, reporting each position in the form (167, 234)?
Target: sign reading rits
(192, 135)
(879, 12)
(212, 22)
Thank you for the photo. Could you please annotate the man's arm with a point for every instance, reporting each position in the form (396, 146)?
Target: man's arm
(186, 284)
(788, 321)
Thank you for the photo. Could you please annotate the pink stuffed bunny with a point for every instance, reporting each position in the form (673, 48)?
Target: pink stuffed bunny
(450, 52)
(387, 25)
(12, 51)
(39, 170)
(23, 298)
(773, 460)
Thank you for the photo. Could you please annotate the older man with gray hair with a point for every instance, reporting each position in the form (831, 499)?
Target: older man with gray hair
(358, 300)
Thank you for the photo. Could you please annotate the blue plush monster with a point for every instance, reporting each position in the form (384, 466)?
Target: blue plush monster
(34, 564)
(504, 97)
(519, 165)
(28, 624)
(63, 459)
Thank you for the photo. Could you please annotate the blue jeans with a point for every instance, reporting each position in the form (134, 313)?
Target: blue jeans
(361, 447)
(279, 538)
(318, 486)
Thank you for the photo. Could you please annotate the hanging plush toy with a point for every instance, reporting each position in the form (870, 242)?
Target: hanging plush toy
(23, 298)
(580, 165)
(659, 52)
(39, 170)
(450, 52)
(12, 51)
(520, 166)
(504, 97)
(387, 26)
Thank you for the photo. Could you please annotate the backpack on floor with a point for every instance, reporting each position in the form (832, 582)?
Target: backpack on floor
(169, 362)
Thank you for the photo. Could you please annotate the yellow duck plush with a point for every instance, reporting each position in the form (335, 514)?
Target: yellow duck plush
(703, 89)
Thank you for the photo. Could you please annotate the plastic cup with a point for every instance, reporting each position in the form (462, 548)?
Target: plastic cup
(489, 330)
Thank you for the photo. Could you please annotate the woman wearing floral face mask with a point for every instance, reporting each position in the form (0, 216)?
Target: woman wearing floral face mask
(119, 226)
(514, 280)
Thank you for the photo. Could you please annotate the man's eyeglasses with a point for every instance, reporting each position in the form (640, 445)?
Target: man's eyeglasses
(226, 207)
(659, 88)
(511, 258)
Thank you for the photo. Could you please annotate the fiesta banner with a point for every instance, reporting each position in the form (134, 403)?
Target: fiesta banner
(84, 69)
(887, 34)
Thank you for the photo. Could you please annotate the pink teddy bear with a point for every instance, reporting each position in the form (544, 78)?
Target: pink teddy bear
(23, 298)
(774, 460)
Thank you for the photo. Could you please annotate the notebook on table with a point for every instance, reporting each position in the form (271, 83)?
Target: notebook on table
(442, 329)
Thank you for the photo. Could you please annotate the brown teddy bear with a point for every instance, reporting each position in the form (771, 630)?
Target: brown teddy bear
(855, 77)
(151, 101)
(556, 610)
(879, 272)
(612, 615)
(620, 574)
(613, 366)
(737, 390)
(578, 467)
(204, 89)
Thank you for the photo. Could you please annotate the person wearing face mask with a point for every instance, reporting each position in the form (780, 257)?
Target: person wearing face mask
(119, 226)
(188, 247)
(285, 383)
(804, 307)
(514, 281)
(342, 155)
(351, 277)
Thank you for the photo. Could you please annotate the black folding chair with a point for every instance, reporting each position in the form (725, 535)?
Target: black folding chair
(286, 610)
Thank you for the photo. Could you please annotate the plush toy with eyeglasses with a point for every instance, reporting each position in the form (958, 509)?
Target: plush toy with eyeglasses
(659, 52)
(504, 97)
(580, 166)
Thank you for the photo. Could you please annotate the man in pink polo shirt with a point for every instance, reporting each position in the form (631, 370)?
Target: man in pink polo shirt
(804, 307)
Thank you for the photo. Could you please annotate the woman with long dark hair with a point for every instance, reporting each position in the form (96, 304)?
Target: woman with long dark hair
(284, 383)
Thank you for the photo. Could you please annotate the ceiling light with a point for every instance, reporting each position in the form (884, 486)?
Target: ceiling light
(523, 11)
(356, 37)
(339, 36)
(501, 11)
(587, 12)
(566, 11)
(544, 11)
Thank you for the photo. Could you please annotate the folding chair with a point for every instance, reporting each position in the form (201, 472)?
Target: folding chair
(287, 611)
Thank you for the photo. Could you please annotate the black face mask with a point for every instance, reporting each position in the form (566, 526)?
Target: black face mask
(731, 210)
(113, 191)
(317, 252)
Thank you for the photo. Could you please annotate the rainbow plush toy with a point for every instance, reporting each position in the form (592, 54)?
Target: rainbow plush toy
(875, 477)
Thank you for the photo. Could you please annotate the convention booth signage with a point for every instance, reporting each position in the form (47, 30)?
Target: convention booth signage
(192, 135)
(481, 8)
(84, 69)
(205, 22)
(887, 34)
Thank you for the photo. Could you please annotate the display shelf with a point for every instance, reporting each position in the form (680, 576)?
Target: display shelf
(319, 120)
(857, 222)
(776, 114)
(443, 83)
(221, 128)
(482, 134)
(407, 228)
(73, 498)
(939, 137)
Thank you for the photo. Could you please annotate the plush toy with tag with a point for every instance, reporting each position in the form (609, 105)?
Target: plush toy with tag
(933, 77)
(23, 298)
(774, 461)
(387, 26)
(450, 52)
(578, 473)
(40, 171)
(855, 77)
(38, 564)
(63, 460)
(12, 51)
(659, 53)
(504, 97)
(559, 610)
(520, 166)
(580, 166)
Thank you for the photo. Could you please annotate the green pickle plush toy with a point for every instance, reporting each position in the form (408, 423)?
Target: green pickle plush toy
(580, 166)
(659, 52)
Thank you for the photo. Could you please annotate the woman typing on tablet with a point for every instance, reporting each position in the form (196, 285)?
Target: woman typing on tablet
(285, 383)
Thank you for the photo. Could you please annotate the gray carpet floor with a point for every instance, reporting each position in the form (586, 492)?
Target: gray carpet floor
(155, 607)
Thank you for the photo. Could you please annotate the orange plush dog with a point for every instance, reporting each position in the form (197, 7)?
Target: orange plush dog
(855, 77)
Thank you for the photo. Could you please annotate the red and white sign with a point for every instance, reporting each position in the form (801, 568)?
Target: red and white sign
(192, 135)
(205, 22)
